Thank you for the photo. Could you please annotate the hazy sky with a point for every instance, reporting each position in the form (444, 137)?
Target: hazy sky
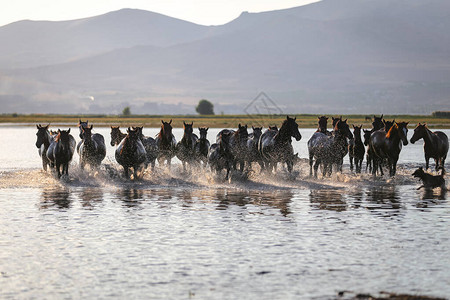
(205, 12)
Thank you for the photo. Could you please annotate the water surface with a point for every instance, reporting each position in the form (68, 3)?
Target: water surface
(176, 235)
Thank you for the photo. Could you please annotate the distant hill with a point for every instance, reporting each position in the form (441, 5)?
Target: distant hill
(346, 56)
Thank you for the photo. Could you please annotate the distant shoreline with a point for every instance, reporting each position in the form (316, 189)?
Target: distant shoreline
(213, 121)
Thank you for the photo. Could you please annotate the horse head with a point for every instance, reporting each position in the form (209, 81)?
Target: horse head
(377, 123)
(116, 135)
(335, 121)
(63, 136)
(188, 128)
(242, 132)
(274, 127)
(41, 134)
(357, 131)
(82, 125)
(367, 134)
(87, 132)
(419, 132)
(342, 128)
(257, 131)
(403, 131)
(292, 128)
(166, 130)
(203, 132)
(323, 120)
(388, 124)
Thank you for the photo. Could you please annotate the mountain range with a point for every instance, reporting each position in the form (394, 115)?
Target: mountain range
(332, 56)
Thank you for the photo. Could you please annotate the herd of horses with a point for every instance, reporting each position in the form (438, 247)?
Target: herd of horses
(238, 149)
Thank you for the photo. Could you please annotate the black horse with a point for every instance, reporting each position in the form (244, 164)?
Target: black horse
(253, 155)
(116, 135)
(131, 153)
(44, 139)
(60, 151)
(220, 156)
(238, 144)
(377, 123)
(92, 149)
(151, 148)
(201, 147)
(185, 147)
(387, 146)
(328, 150)
(166, 143)
(435, 145)
(356, 152)
(276, 146)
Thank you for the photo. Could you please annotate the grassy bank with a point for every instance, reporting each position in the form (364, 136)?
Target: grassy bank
(218, 121)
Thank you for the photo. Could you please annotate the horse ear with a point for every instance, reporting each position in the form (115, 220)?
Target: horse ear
(68, 131)
(207, 128)
(92, 126)
(192, 123)
(79, 122)
(344, 121)
(162, 122)
(382, 116)
(295, 118)
(170, 121)
(129, 129)
(38, 126)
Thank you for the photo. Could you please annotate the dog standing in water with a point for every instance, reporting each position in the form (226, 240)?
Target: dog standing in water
(429, 181)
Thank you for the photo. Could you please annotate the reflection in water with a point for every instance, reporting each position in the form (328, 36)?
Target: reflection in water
(432, 197)
(91, 196)
(384, 198)
(131, 197)
(328, 199)
(55, 197)
(279, 199)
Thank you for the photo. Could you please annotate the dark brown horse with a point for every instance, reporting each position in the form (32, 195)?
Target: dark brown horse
(166, 143)
(387, 146)
(253, 155)
(201, 147)
(356, 152)
(220, 156)
(329, 150)
(151, 148)
(60, 151)
(131, 153)
(276, 146)
(92, 149)
(44, 139)
(116, 135)
(435, 145)
(185, 147)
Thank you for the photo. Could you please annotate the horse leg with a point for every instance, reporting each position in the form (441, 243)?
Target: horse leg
(125, 170)
(427, 162)
(311, 157)
(351, 163)
(290, 165)
(316, 167)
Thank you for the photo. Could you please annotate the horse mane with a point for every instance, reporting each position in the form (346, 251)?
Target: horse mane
(58, 137)
(390, 132)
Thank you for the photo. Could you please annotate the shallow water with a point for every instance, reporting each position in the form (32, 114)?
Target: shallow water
(176, 235)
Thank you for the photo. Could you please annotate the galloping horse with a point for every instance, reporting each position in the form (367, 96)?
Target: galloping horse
(185, 147)
(92, 149)
(166, 143)
(201, 147)
(357, 151)
(131, 153)
(275, 146)
(238, 144)
(253, 155)
(116, 136)
(387, 146)
(220, 156)
(328, 150)
(60, 151)
(151, 148)
(435, 145)
(44, 139)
